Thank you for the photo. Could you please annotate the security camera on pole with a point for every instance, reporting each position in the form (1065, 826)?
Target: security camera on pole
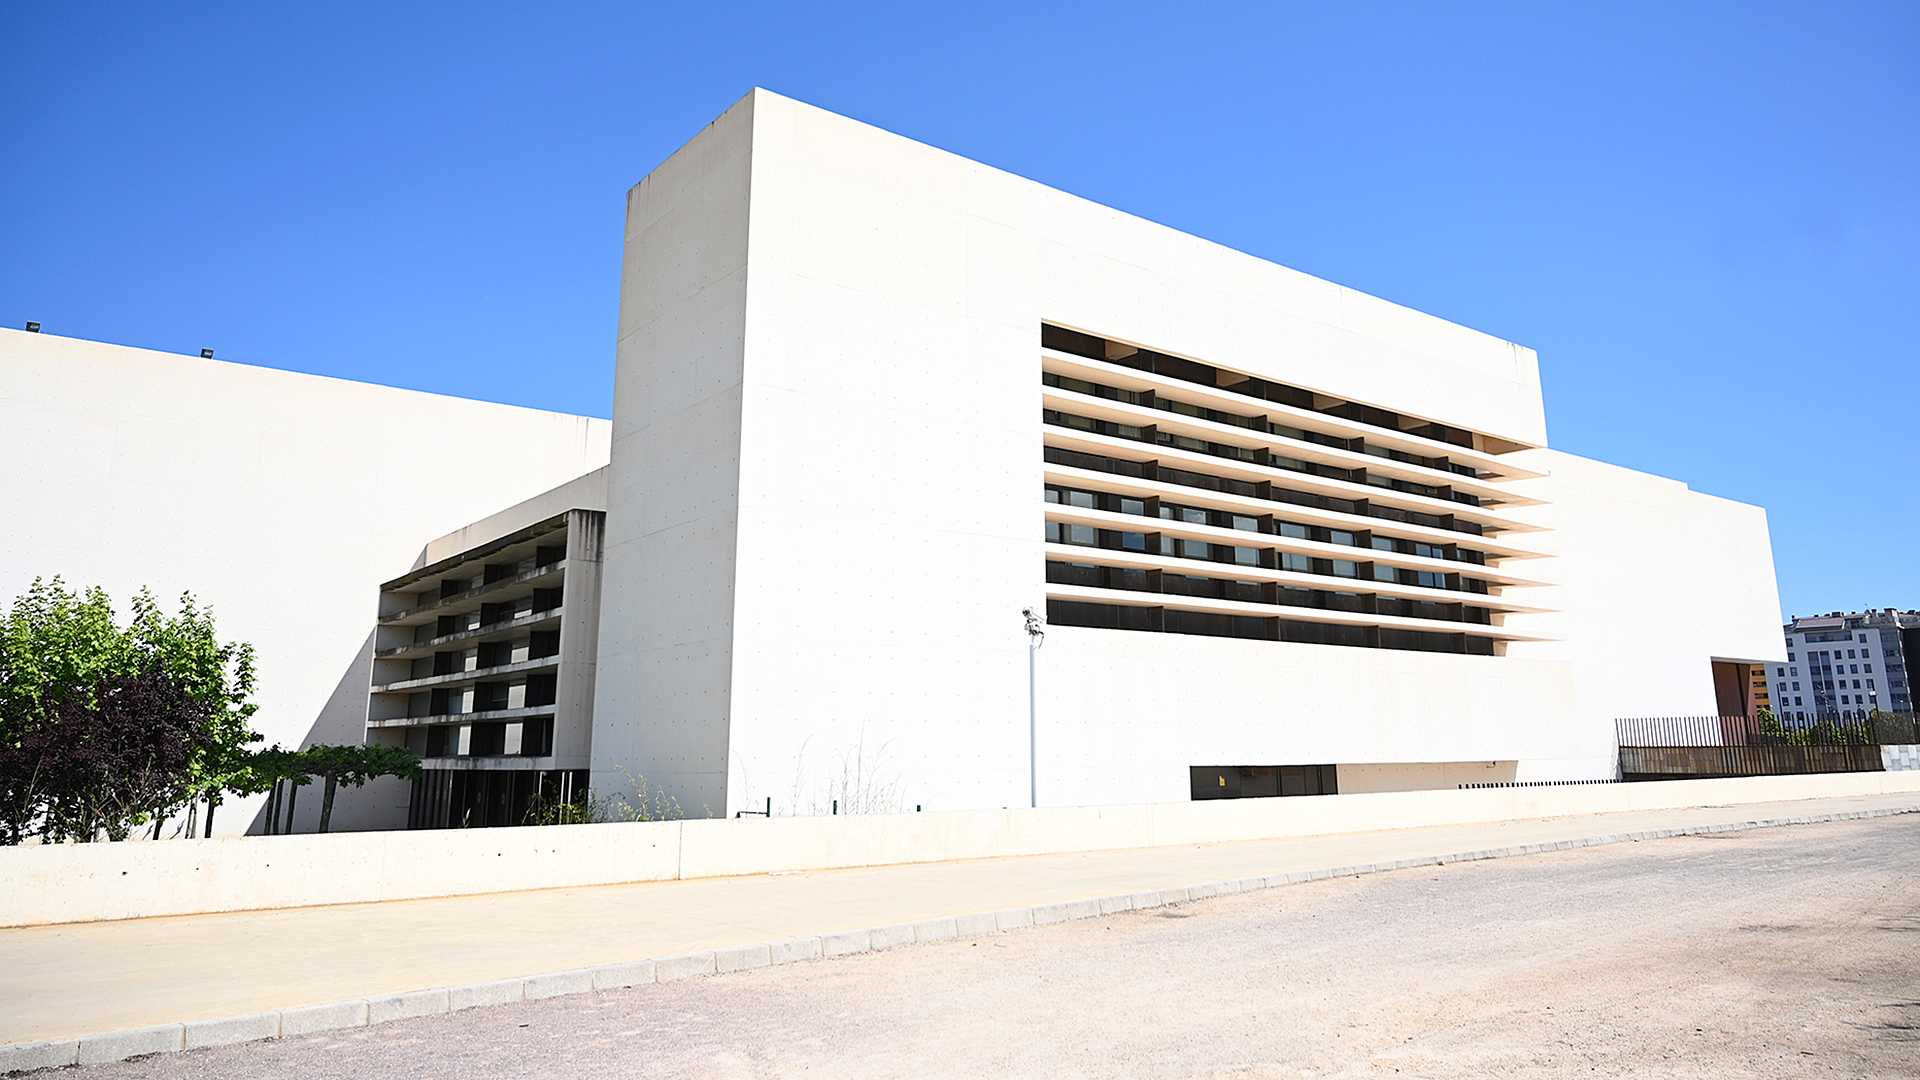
(1036, 636)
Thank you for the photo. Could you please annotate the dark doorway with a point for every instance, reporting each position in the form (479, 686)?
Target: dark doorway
(1262, 781)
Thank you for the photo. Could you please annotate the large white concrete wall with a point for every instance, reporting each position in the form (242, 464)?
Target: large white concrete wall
(1123, 714)
(66, 883)
(890, 504)
(1654, 582)
(666, 636)
(281, 500)
(887, 450)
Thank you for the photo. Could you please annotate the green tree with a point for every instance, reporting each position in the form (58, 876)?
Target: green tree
(60, 648)
(115, 757)
(1891, 728)
(221, 674)
(55, 644)
(280, 773)
(353, 766)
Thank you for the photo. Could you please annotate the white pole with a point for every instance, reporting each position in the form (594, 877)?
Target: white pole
(1033, 727)
(1035, 637)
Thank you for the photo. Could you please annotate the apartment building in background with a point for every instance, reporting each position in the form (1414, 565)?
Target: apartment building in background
(1845, 665)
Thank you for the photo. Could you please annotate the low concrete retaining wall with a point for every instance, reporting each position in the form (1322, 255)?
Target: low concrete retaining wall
(89, 882)
(1901, 758)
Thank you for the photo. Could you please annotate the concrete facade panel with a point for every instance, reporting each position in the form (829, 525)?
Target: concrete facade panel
(662, 683)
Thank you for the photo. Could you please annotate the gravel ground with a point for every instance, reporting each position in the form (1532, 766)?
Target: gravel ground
(1788, 952)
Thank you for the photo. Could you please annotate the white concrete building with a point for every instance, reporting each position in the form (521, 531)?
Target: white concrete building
(874, 399)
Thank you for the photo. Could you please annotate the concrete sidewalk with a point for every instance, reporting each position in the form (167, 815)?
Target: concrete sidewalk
(71, 981)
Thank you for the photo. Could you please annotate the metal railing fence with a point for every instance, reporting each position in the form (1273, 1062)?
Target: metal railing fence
(1673, 747)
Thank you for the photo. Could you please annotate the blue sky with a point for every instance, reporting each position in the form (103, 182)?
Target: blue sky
(1705, 217)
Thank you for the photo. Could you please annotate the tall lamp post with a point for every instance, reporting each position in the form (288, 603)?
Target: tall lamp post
(1036, 636)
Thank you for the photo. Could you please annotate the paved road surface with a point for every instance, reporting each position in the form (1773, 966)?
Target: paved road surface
(1789, 952)
(84, 979)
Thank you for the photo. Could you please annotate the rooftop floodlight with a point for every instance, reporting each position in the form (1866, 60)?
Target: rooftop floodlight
(33, 328)
(206, 354)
